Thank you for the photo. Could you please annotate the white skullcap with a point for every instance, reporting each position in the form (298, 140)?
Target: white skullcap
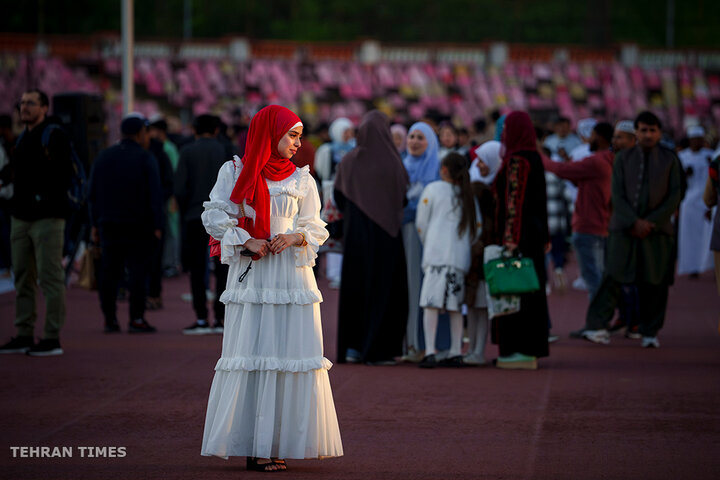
(695, 131)
(585, 127)
(626, 126)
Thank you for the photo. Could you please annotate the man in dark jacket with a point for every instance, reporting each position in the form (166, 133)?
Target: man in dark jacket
(646, 192)
(40, 175)
(195, 177)
(126, 214)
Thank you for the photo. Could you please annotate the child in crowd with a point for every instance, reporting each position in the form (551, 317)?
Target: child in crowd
(447, 221)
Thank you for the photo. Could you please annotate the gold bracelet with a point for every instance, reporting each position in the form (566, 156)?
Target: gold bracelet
(304, 242)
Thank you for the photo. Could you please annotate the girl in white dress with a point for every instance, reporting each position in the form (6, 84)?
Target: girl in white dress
(447, 221)
(270, 398)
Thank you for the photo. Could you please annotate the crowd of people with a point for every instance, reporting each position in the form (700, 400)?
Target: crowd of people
(610, 193)
(411, 285)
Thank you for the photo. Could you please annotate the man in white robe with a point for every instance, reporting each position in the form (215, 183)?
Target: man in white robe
(695, 227)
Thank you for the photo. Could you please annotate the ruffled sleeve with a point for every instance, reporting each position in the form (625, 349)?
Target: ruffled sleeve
(220, 217)
(309, 222)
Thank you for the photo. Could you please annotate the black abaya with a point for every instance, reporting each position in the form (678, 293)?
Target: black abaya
(526, 332)
(373, 293)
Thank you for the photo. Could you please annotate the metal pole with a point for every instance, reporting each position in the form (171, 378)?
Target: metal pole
(128, 51)
(670, 24)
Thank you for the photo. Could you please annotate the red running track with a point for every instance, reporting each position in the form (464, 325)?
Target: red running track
(589, 412)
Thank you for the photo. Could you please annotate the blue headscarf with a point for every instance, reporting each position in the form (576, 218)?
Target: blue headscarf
(421, 170)
(426, 167)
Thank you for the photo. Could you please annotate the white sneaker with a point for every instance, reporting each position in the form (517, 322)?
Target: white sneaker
(597, 336)
(650, 342)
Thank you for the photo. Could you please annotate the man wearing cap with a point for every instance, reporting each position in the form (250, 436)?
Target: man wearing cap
(40, 175)
(646, 191)
(585, 128)
(695, 225)
(592, 210)
(126, 213)
(624, 135)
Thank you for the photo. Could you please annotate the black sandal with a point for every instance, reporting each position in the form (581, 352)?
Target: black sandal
(255, 466)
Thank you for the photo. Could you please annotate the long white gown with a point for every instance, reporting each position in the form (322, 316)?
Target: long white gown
(695, 231)
(271, 396)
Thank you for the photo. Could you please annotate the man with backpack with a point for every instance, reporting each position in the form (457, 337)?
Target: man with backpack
(40, 172)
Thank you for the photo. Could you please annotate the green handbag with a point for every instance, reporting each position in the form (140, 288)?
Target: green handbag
(511, 276)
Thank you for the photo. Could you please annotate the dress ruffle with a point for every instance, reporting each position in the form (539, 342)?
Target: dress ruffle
(270, 363)
(271, 296)
(234, 237)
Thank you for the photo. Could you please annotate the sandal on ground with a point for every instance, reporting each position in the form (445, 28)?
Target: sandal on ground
(253, 464)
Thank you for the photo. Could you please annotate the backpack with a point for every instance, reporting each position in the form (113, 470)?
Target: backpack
(77, 190)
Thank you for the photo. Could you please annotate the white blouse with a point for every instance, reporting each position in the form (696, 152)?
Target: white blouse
(437, 219)
(294, 208)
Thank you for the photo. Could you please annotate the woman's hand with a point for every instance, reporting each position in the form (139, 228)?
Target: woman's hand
(281, 241)
(260, 247)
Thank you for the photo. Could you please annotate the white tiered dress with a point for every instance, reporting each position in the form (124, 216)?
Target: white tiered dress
(271, 396)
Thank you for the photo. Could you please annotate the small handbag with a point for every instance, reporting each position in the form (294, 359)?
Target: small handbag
(511, 276)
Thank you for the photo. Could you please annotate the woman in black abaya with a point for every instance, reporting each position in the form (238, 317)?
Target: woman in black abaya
(370, 189)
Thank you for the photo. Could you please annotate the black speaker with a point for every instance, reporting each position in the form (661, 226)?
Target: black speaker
(83, 118)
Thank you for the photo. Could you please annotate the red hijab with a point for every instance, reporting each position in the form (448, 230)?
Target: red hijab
(518, 135)
(261, 162)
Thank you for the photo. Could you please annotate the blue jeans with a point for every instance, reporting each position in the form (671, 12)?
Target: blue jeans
(590, 251)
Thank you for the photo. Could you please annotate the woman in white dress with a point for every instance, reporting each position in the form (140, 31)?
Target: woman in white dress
(270, 398)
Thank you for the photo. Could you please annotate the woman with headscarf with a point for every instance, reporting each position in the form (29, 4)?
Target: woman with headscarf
(370, 191)
(521, 225)
(327, 158)
(482, 174)
(423, 167)
(270, 398)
